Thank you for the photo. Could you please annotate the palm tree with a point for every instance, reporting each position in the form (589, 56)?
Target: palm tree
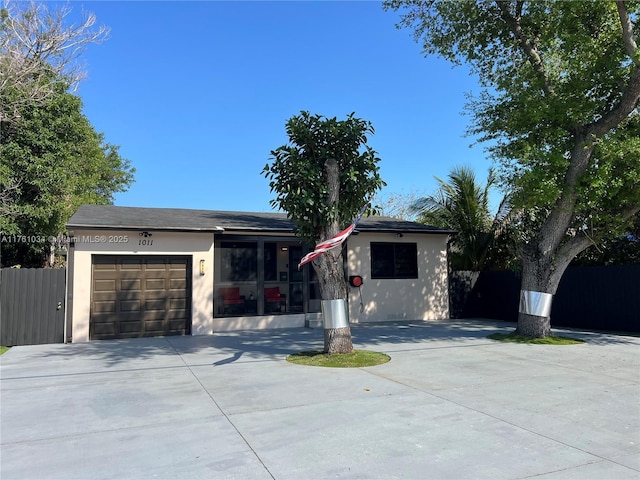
(462, 204)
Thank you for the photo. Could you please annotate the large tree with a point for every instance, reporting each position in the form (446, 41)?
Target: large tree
(52, 160)
(56, 162)
(322, 178)
(561, 87)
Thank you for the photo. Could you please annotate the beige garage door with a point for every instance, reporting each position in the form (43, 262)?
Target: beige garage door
(140, 296)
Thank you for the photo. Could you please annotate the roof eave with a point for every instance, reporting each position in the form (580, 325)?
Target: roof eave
(404, 231)
(144, 227)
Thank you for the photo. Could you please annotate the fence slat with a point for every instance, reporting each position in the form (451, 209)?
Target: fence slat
(28, 306)
(596, 298)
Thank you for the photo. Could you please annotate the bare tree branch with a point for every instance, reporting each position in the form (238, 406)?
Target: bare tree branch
(37, 49)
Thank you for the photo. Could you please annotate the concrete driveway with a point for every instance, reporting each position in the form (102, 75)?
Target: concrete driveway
(451, 404)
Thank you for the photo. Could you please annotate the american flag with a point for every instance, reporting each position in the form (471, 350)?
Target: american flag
(333, 241)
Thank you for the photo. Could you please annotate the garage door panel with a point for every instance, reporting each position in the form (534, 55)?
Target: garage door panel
(155, 305)
(130, 281)
(129, 330)
(128, 306)
(177, 304)
(176, 325)
(174, 318)
(122, 295)
(130, 318)
(105, 294)
(160, 266)
(156, 295)
(105, 307)
(104, 328)
(135, 296)
(132, 267)
(104, 285)
(100, 267)
(155, 284)
(154, 326)
(177, 284)
(130, 284)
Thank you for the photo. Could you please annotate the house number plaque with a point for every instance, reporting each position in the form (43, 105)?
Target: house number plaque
(145, 240)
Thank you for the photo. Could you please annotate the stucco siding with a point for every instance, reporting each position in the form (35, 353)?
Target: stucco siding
(422, 298)
(199, 246)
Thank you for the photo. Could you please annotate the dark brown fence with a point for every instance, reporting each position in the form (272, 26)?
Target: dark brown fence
(596, 298)
(31, 306)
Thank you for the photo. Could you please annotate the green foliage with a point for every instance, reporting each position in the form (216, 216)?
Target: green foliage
(622, 250)
(52, 158)
(559, 106)
(52, 162)
(357, 359)
(462, 204)
(297, 173)
(549, 340)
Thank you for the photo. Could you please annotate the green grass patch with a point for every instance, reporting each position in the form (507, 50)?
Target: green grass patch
(359, 358)
(3, 349)
(550, 340)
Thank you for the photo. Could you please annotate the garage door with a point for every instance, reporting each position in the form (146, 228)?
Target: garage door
(140, 296)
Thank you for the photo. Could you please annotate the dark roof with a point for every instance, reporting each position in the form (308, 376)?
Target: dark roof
(110, 216)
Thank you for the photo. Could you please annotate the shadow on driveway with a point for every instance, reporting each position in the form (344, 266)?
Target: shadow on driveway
(266, 345)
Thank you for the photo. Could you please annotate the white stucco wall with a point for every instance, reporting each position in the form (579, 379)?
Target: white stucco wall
(422, 298)
(112, 242)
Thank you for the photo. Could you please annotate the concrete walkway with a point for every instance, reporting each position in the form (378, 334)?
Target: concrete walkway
(451, 404)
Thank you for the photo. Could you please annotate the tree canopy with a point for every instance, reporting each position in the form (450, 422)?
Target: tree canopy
(461, 203)
(53, 160)
(561, 86)
(298, 173)
(322, 178)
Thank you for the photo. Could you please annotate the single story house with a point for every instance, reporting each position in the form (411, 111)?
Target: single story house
(162, 271)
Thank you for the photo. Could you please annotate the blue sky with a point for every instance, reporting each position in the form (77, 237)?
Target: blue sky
(197, 95)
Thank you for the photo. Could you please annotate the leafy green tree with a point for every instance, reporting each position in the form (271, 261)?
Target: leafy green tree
(622, 250)
(561, 86)
(53, 161)
(322, 178)
(461, 204)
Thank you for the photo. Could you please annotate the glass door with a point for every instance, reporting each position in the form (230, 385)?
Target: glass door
(296, 280)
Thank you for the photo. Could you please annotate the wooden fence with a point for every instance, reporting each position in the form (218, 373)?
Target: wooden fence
(31, 306)
(596, 298)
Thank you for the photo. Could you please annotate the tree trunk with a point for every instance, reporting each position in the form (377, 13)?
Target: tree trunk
(541, 274)
(333, 286)
(338, 340)
(330, 270)
(536, 280)
(533, 325)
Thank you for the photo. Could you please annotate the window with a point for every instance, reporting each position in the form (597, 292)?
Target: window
(270, 262)
(239, 261)
(394, 260)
